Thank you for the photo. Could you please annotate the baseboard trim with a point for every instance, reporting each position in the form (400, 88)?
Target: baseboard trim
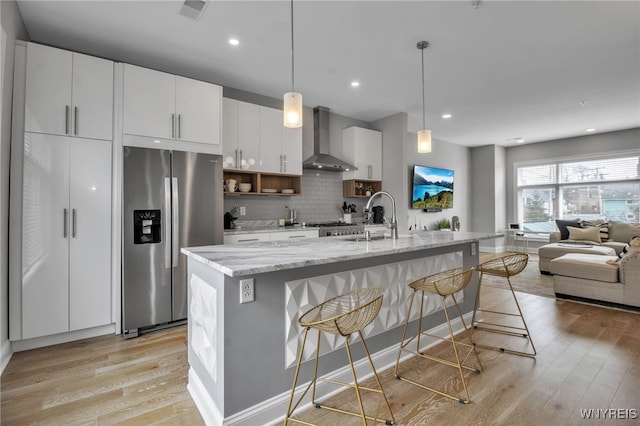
(56, 339)
(272, 410)
(5, 354)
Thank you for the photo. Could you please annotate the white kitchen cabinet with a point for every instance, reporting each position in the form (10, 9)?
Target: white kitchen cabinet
(247, 237)
(66, 235)
(280, 147)
(167, 106)
(363, 149)
(241, 146)
(294, 235)
(68, 93)
(271, 236)
(255, 140)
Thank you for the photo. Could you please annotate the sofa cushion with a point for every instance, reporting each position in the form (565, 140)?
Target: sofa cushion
(586, 266)
(614, 245)
(562, 227)
(623, 232)
(584, 234)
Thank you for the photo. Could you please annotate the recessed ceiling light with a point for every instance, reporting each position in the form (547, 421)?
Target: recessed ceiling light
(519, 139)
(355, 83)
(446, 116)
(590, 130)
(234, 41)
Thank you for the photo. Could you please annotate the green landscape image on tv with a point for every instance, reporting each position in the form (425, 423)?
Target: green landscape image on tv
(432, 187)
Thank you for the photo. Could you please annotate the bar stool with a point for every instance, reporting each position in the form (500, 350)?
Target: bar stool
(444, 284)
(345, 314)
(504, 266)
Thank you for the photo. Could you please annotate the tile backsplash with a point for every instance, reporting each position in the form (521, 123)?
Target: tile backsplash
(321, 195)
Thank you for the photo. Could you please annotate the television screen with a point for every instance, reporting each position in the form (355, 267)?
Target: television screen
(432, 187)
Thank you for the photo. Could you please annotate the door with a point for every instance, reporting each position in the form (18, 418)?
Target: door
(198, 212)
(146, 265)
(92, 97)
(45, 235)
(248, 136)
(229, 132)
(90, 236)
(292, 150)
(270, 140)
(198, 108)
(48, 90)
(149, 103)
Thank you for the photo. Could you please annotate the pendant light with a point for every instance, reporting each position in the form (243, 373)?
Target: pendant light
(292, 99)
(424, 135)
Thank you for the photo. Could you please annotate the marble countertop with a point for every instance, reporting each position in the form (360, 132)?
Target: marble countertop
(263, 229)
(268, 256)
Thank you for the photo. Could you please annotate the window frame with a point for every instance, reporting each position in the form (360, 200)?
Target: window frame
(558, 186)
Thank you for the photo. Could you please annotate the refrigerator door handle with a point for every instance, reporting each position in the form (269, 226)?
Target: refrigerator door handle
(64, 223)
(176, 220)
(167, 223)
(74, 216)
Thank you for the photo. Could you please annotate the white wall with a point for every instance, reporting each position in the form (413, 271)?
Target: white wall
(12, 28)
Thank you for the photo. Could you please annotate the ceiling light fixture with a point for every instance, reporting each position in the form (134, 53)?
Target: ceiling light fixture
(355, 84)
(292, 99)
(424, 135)
(234, 41)
(590, 130)
(445, 116)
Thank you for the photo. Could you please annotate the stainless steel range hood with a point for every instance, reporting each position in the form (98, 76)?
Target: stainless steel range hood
(321, 159)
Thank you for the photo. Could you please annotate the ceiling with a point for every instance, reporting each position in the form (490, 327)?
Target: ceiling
(538, 70)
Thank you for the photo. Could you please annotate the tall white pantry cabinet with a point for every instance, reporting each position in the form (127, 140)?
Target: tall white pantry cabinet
(60, 270)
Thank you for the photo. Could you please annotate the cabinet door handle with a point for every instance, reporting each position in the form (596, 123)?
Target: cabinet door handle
(236, 163)
(179, 126)
(297, 236)
(248, 239)
(370, 171)
(240, 164)
(74, 216)
(75, 121)
(66, 119)
(173, 126)
(281, 164)
(284, 167)
(64, 223)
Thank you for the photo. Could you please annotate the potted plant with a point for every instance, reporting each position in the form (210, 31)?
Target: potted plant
(368, 190)
(444, 225)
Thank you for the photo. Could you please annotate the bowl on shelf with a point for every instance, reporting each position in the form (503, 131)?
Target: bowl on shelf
(269, 190)
(288, 191)
(244, 187)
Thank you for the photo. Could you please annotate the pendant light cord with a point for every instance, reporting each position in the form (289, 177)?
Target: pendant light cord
(424, 126)
(292, 50)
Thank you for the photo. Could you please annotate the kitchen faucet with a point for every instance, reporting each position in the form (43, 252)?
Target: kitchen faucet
(394, 216)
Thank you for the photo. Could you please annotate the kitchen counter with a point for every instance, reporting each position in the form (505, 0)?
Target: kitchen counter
(267, 256)
(265, 229)
(245, 300)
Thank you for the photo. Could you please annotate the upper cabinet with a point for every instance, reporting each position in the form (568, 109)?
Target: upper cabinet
(255, 140)
(167, 106)
(362, 148)
(68, 93)
(240, 147)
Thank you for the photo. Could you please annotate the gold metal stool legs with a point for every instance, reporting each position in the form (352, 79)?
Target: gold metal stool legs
(343, 317)
(444, 285)
(506, 267)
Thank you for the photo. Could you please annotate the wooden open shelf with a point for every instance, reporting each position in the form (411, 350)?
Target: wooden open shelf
(260, 181)
(355, 188)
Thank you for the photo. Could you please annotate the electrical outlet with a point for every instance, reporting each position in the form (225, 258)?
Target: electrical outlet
(473, 249)
(243, 211)
(247, 291)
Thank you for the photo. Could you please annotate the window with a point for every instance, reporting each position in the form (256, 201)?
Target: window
(600, 188)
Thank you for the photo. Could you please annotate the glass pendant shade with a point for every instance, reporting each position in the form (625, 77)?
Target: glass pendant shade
(292, 110)
(424, 141)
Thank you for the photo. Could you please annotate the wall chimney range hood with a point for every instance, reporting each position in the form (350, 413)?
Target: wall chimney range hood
(321, 159)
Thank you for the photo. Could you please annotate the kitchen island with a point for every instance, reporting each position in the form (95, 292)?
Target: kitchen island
(242, 355)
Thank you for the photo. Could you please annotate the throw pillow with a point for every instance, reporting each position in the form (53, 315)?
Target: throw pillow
(622, 232)
(584, 234)
(603, 226)
(562, 227)
(632, 247)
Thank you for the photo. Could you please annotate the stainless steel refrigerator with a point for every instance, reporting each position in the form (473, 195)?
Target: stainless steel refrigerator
(172, 199)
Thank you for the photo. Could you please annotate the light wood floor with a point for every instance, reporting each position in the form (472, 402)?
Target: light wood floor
(588, 357)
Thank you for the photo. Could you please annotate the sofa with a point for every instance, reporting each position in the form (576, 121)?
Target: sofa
(595, 238)
(590, 277)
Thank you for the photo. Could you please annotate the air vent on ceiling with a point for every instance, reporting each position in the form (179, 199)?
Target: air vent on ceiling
(193, 8)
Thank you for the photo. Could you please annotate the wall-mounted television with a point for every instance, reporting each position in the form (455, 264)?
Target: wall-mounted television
(432, 188)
